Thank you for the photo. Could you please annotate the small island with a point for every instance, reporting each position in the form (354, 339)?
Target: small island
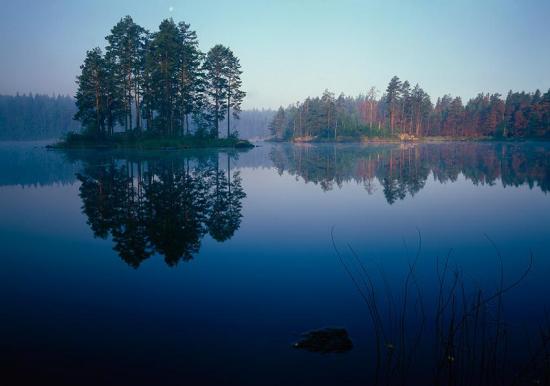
(144, 141)
(156, 90)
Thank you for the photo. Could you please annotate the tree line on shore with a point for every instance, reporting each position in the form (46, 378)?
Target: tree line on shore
(406, 110)
(157, 83)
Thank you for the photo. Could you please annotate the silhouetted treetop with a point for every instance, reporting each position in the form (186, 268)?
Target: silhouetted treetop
(158, 84)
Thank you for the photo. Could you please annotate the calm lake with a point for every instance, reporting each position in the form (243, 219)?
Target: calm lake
(204, 267)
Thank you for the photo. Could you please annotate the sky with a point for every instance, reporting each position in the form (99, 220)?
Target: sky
(293, 49)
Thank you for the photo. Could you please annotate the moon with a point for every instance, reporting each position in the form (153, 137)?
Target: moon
(170, 8)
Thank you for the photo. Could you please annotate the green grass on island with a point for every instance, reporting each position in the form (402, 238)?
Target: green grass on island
(147, 142)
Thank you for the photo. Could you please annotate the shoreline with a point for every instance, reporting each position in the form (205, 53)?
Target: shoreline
(380, 140)
(80, 142)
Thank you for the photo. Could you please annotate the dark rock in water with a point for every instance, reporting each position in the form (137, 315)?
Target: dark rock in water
(244, 145)
(326, 340)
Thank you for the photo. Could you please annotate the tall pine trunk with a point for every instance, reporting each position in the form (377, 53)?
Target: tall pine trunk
(97, 106)
(137, 102)
(216, 118)
(228, 112)
(129, 102)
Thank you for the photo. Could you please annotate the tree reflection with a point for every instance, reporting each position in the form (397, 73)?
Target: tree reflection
(225, 215)
(164, 205)
(402, 170)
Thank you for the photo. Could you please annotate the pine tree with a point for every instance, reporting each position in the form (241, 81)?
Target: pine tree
(162, 65)
(405, 92)
(216, 87)
(126, 51)
(190, 76)
(91, 97)
(115, 110)
(277, 125)
(329, 113)
(392, 98)
(235, 95)
(148, 100)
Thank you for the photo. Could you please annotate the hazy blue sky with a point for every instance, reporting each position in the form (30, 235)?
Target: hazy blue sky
(291, 49)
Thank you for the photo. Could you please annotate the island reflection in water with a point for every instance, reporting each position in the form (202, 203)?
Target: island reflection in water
(162, 205)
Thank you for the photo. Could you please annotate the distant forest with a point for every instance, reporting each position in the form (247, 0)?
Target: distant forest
(407, 111)
(35, 117)
(26, 117)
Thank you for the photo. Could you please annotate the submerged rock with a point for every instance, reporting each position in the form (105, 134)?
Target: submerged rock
(326, 340)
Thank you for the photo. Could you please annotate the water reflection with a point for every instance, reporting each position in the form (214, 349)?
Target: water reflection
(68, 310)
(163, 205)
(30, 164)
(403, 170)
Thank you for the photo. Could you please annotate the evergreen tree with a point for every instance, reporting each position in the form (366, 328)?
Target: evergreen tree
(148, 101)
(393, 92)
(235, 95)
(278, 124)
(216, 87)
(126, 51)
(91, 97)
(190, 77)
(329, 113)
(115, 110)
(418, 108)
(163, 69)
(405, 92)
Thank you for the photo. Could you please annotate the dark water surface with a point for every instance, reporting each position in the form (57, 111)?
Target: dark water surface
(203, 267)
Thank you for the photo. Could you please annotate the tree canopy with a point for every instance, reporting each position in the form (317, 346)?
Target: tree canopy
(157, 82)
